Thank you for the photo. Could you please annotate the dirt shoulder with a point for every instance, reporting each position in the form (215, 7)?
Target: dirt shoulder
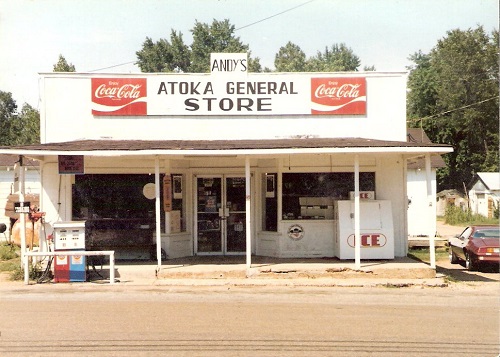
(445, 230)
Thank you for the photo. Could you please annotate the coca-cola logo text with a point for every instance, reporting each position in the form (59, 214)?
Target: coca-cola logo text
(334, 96)
(119, 96)
(334, 91)
(118, 92)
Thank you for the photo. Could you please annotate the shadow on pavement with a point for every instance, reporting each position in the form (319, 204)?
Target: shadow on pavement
(460, 274)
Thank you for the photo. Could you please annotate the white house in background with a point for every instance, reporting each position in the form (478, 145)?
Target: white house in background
(416, 186)
(484, 195)
(7, 196)
(447, 198)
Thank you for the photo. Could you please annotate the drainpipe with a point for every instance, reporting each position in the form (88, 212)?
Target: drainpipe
(357, 222)
(432, 212)
(247, 213)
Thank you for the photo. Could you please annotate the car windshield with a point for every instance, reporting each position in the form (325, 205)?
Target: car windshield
(487, 233)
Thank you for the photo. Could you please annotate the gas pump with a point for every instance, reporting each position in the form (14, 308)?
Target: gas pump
(69, 236)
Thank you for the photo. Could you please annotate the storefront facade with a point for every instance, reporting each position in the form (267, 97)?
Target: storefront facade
(229, 162)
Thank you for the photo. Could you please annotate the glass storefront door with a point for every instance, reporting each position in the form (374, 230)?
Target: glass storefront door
(220, 215)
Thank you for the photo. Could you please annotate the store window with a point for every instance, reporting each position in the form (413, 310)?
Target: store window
(127, 197)
(311, 195)
(270, 202)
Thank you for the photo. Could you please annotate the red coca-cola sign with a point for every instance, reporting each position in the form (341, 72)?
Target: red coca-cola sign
(119, 96)
(335, 96)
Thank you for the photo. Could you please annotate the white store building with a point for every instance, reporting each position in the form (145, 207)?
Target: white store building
(172, 165)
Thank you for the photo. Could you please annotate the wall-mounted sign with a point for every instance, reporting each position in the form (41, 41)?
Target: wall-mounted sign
(229, 90)
(228, 63)
(71, 164)
(333, 96)
(119, 96)
(295, 232)
(149, 191)
(167, 193)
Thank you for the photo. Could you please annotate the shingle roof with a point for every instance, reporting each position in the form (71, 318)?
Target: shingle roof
(417, 135)
(10, 160)
(490, 179)
(139, 145)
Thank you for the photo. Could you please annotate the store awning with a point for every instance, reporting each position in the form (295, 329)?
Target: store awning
(263, 147)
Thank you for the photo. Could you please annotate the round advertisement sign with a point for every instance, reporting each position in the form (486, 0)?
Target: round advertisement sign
(149, 191)
(296, 232)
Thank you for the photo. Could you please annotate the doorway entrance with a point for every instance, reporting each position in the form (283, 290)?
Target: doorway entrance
(220, 215)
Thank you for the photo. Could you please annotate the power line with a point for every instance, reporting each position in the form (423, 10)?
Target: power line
(451, 111)
(240, 28)
(270, 17)
(116, 65)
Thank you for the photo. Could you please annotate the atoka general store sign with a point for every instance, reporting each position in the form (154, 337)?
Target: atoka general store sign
(233, 93)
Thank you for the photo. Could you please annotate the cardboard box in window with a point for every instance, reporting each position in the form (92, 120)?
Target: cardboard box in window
(175, 221)
(316, 207)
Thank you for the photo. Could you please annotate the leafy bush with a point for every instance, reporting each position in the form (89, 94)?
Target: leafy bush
(457, 216)
(8, 251)
(35, 272)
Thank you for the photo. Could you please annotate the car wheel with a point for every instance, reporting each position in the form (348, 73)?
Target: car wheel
(470, 264)
(452, 256)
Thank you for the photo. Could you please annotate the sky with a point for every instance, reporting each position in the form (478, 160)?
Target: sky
(103, 36)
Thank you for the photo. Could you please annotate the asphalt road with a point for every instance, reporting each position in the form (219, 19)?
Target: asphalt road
(104, 320)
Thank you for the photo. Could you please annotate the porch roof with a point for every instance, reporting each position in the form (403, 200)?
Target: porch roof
(107, 147)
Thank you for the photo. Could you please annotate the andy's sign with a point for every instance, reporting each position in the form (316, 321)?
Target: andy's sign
(228, 63)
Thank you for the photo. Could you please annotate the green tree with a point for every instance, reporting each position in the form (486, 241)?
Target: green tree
(26, 129)
(63, 66)
(18, 128)
(338, 58)
(164, 56)
(175, 56)
(290, 58)
(8, 113)
(453, 96)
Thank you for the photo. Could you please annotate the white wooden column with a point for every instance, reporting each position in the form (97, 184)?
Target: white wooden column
(158, 212)
(357, 221)
(248, 222)
(22, 218)
(431, 215)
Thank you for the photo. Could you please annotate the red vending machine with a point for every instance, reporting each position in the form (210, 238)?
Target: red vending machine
(70, 237)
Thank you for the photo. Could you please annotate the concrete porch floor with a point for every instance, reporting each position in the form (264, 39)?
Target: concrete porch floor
(221, 270)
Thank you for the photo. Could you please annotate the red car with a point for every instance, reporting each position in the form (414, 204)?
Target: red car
(476, 246)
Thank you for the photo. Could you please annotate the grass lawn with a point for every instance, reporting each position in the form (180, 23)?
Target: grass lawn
(10, 259)
(423, 254)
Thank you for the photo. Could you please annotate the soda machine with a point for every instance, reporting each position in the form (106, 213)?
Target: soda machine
(69, 237)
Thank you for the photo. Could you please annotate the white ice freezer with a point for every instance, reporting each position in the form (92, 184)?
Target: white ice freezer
(377, 230)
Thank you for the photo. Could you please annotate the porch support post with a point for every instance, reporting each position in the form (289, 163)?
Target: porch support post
(431, 210)
(357, 210)
(357, 223)
(22, 217)
(247, 214)
(157, 212)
